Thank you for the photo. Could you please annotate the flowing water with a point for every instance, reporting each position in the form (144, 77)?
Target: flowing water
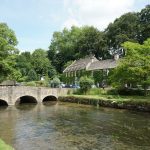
(64, 126)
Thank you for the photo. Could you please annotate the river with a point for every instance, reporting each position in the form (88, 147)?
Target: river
(65, 126)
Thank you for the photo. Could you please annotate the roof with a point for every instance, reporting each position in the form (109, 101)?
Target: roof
(91, 63)
(80, 64)
(103, 64)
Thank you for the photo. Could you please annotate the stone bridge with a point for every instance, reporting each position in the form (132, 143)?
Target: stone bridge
(11, 95)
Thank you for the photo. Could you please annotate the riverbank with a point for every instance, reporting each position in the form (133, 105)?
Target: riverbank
(139, 103)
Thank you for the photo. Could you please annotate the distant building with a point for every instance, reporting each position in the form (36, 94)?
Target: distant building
(90, 64)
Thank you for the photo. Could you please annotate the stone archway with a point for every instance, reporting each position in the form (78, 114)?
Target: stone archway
(3, 103)
(26, 99)
(49, 98)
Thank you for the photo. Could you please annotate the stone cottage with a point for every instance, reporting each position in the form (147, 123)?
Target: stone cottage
(90, 64)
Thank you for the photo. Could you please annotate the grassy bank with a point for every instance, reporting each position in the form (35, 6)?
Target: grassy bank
(102, 98)
(4, 146)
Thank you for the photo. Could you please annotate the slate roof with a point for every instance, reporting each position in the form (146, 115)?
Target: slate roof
(103, 64)
(80, 64)
(91, 63)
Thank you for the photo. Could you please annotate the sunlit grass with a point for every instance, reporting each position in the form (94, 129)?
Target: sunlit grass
(4, 146)
(103, 95)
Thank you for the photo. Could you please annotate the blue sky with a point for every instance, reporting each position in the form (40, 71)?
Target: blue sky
(34, 21)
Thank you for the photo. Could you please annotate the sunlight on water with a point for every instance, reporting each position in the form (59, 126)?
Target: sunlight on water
(63, 126)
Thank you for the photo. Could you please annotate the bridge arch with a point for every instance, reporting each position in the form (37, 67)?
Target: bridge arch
(26, 99)
(49, 98)
(3, 103)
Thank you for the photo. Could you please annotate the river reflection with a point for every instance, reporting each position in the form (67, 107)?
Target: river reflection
(63, 126)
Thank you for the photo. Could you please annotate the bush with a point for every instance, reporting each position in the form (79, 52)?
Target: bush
(55, 82)
(41, 83)
(77, 92)
(85, 84)
(32, 83)
(112, 92)
(130, 92)
(92, 91)
(96, 91)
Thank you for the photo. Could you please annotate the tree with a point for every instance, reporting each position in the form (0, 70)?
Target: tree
(124, 28)
(40, 62)
(134, 68)
(62, 47)
(32, 75)
(23, 64)
(92, 42)
(8, 53)
(76, 43)
(144, 19)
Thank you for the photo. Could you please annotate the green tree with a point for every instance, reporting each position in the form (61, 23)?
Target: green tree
(92, 41)
(8, 53)
(32, 76)
(85, 83)
(124, 28)
(62, 47)
(40, 62)
(144, 19)
(134, 68)
(23, 64)
(76, 43)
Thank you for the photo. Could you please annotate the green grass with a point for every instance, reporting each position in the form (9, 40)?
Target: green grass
(4, 146)
(97, 93)
(114, 97)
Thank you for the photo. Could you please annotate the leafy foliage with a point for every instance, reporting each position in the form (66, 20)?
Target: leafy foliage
(134, 68)
(123, 29)
(144, 19)
(85, 83)
(40, 62)
(55, 82)
(98, 76)
(76, 43)
(8, 53)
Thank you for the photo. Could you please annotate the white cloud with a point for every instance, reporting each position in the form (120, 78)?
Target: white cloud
(70, 22)
(98, 13)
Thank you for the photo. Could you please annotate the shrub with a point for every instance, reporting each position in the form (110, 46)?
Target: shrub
(55, 82)
(96, 91)
(127, 91)
(32, 83)
(112, 92)
(41, 83)
(85, 83)
(77, 92)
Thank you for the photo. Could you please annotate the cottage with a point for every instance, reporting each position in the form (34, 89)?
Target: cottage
(90, 64)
